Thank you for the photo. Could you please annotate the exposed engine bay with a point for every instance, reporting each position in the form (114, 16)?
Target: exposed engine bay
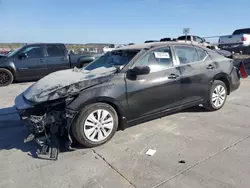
(49, 125)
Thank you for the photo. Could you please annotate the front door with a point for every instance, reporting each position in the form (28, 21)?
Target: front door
(196, 70)
(33, 66)
(157, 91)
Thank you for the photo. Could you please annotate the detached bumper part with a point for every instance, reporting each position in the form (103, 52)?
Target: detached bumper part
(50, 129)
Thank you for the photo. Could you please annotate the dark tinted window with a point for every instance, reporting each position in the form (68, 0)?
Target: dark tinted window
(157, 60)
(242, 31)
(201, 53)
(34, 52)
(55, 50)
(184, 38)
(186, 54)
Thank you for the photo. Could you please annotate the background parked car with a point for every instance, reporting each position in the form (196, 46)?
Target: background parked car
(195, 40)
(34, 61)
(238, 42)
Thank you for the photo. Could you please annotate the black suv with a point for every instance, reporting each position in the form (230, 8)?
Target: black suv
(124, 87)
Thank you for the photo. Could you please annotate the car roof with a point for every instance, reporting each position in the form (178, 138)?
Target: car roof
(155, 44)
(29, 44)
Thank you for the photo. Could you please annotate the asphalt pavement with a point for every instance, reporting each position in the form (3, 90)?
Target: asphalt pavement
(194, 149)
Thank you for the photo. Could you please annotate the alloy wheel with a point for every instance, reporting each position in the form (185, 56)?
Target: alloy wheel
(218, 96)
(4, 77)
(98, 125)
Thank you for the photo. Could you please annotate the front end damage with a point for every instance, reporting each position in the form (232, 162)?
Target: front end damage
(44, 106)
(48, 124)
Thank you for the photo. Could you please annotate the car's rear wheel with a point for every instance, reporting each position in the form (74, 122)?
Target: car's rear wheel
(95, 125)
(217, 96)
(6, 77)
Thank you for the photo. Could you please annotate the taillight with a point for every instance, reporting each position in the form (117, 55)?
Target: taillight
(243, 38)
(242, 70)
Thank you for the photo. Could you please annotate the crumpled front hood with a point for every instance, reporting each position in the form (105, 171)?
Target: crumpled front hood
(66, 82)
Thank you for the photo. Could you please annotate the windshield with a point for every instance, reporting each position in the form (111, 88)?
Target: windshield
(13, 52)
(115, 58)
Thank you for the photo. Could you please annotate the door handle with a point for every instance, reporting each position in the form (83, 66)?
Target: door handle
(41, 60)
(173, 76)
(210, 67)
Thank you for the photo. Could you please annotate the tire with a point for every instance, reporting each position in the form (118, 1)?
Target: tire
(6, 77)
(81, 129)
(215, 101)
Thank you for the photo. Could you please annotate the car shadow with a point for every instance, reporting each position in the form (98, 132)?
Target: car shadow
(13, 132)
(196, 109)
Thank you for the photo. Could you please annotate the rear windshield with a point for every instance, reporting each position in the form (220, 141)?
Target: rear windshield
(241, 31)
(115, 58)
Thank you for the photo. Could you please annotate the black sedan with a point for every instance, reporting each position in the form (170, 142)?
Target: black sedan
(129, 85)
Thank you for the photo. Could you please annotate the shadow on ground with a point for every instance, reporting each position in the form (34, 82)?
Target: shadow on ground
(12, 138)
(196, 109)
(13, 132)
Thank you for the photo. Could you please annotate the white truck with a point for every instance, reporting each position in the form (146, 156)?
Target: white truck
(238, 42)
(195, 40)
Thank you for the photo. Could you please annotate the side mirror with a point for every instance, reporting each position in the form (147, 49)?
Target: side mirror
(140, 70)
(22, 55)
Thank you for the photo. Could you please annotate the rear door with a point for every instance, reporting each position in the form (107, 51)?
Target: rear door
(157, 91)
(57, 57)
(197, 70)
(33, 66)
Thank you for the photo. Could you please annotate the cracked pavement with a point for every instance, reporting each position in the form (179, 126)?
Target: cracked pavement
(213, 146)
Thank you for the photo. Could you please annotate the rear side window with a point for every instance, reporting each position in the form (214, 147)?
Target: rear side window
(55, 50)
(202, 54)
(186, 54)
(242, 31)
(184, 38)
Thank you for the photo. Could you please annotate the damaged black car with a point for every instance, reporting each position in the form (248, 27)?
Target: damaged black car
(131, 84)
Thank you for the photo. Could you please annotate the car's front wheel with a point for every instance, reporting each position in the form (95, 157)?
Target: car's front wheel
(95, 125)
(6, 77)
(217, 96)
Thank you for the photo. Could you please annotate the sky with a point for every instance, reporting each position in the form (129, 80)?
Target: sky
(118, 21)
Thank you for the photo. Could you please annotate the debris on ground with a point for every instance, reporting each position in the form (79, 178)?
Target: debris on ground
(182, 161)
(150, 152)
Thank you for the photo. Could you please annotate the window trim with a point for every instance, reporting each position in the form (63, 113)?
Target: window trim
(177, 58)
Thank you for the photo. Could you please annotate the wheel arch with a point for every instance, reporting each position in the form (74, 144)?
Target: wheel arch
(225, 79)
(112, 102)
(10, 69)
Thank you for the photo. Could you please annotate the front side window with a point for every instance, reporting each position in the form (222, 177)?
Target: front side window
(55, 50)
(116, 58)
(157, 60)
(34, 52)
(186, 54)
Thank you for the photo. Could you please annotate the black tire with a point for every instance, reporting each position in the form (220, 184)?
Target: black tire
(209, 105)
(78, 125)
(6, 77)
